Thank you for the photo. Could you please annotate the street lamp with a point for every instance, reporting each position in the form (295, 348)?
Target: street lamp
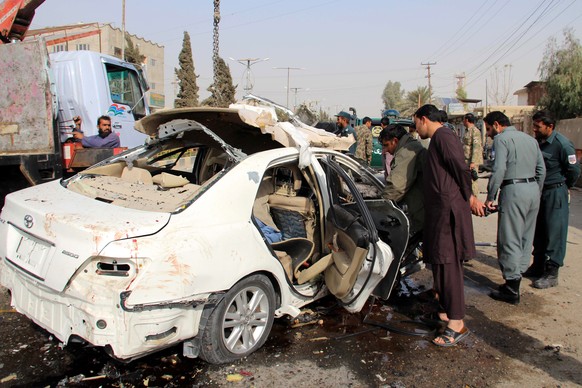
(248, 62)
(288, 71)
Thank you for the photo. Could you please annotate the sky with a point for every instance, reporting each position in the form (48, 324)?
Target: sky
(343, 52)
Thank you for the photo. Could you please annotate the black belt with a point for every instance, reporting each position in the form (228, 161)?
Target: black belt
(554, 186)
(519, 180)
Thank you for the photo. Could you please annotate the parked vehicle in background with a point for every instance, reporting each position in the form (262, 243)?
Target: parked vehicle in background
(224, 220)
(41, 95)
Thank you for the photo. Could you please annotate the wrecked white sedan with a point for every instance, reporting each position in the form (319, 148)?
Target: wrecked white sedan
(224, 220)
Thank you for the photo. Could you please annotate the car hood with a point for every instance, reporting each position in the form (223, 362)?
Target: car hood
(63, 228)
(226, 123)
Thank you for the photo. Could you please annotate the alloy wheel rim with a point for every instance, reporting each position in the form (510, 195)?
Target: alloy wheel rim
(245, 320)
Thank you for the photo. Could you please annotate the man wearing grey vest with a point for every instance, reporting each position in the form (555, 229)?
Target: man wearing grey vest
(518, 172)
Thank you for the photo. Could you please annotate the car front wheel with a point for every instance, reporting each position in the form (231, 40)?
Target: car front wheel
(241, 322)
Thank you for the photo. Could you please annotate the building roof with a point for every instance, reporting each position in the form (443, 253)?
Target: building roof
(61, 31)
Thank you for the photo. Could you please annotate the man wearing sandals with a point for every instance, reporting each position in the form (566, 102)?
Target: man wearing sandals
(448, 232)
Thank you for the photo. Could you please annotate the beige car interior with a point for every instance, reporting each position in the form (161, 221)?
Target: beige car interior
(134, 186)
(304, 258)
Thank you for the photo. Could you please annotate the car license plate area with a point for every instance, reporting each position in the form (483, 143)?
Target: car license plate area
(31, 252)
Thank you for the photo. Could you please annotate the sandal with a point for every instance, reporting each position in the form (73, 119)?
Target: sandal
(451, 337)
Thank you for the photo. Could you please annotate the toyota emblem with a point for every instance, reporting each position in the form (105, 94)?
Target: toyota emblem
(28, 221)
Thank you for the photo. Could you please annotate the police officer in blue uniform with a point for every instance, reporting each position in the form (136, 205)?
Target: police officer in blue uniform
(562, 171)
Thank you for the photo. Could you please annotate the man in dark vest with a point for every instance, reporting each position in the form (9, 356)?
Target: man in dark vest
(562, 171)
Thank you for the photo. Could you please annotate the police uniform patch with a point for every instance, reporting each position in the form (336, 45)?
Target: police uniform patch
(572, 159)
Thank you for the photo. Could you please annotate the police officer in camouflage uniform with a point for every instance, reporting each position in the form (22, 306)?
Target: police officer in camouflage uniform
(473, 148)
(552, 223)
(365, 144)
(519, 171)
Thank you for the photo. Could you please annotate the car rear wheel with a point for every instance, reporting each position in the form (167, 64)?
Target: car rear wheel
(241, 322)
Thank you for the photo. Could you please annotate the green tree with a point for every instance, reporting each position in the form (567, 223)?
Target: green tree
(188, 93)
(323, 115)
(131, 52)
(392, 95)
(561, 70)
(415, 99)
(221, 94)
(461, 94)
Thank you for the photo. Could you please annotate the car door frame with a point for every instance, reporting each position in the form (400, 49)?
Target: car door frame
(379, 258)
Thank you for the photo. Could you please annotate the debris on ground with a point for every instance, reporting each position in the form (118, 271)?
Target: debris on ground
(8, 378)
(234, 377)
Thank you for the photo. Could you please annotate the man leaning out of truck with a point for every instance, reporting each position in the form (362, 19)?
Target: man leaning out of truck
(104, 139)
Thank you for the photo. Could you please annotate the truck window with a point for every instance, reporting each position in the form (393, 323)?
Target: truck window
(124, 88)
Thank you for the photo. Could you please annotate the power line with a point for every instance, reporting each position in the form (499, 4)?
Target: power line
(517, 39)
(458, 34)
(543, 28)
(496, 50)
(482, 24)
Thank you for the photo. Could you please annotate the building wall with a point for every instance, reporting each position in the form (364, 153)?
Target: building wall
(109, 40)
(535, 93)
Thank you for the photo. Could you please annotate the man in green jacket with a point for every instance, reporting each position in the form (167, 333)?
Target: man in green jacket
(404, 184)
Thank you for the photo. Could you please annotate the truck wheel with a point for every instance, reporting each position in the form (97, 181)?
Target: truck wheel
(241, 322)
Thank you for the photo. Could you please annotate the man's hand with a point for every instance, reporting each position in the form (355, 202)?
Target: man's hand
(490, 205)
(78, 121)
(477, 207)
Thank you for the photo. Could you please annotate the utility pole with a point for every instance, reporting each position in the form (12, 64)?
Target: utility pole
(460, 80)
(295, 90)
(175, 83)
(248, 62)
(288, 78)
(428, 65)
(123, 30)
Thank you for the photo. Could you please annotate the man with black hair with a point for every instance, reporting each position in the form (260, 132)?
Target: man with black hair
(473, 148)
(104, 139)
(518, 171)
(562, 171)
(346, 129)
(365, 142)
(404, 184)
(448, 231)
(386, 157)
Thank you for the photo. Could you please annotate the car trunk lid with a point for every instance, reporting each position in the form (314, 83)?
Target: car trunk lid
(44, 231)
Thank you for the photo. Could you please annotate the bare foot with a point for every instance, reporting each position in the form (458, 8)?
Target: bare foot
(443, 316)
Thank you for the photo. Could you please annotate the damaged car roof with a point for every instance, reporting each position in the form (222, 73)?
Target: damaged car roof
(249, 126)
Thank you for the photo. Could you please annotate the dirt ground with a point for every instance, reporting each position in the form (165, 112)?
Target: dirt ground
(537, 343)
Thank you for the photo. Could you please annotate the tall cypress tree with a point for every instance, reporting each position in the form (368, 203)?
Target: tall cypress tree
(222, 94)
(188, 94)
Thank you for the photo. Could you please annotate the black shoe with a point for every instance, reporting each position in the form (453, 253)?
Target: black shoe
(549, 278)
(508, 292)
(535, 271)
